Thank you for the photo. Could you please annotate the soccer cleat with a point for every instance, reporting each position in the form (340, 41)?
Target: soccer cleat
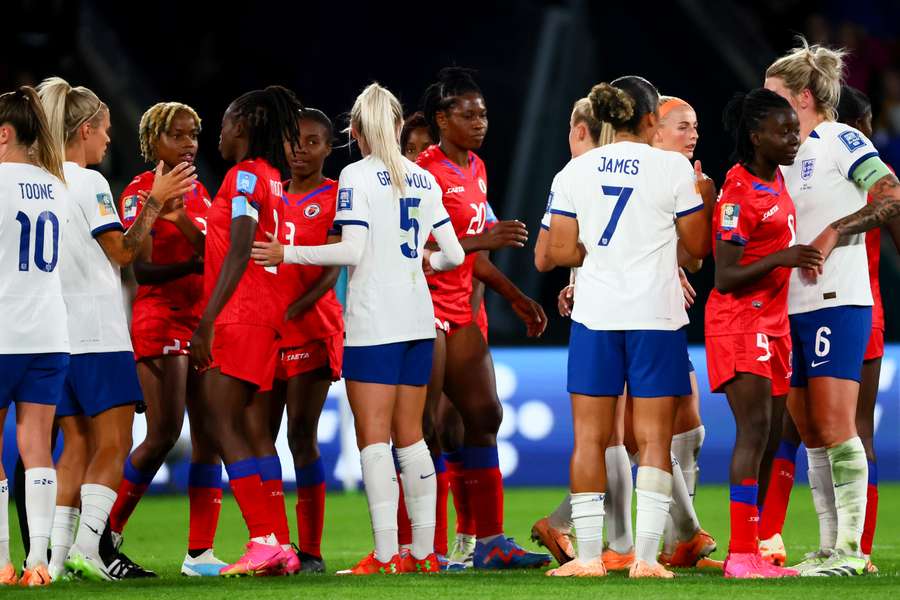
(750, 565)
(205, 565)
(504, 553)
(122, 567)
(710, 563)
(576, 568)
(773, 551)
(411, 564)
(812, 560)
(643, 570)
(838, 564)
(290, 561)
(871, 569)
(555, 541)
(257, 560)
(310, 563)
(447, 565)
(614, 561)
(90, 567)
(463, 550)
(35, 577)
(370, 565)
(688, 553)
(8, 575)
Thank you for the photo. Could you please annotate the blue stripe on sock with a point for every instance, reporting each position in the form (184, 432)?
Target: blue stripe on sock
(480, 457)
(242, 468)
(873, 473)
(205, 476)
(745, 494)
(455, 457)
(269, 468)
(396, 458)
(440, 465)
(787, 451)
(136, 477)
(311, 475)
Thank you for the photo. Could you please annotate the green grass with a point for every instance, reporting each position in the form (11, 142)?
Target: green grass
(157, 534)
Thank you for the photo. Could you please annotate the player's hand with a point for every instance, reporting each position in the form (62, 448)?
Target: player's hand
(426, 262)
(505, 234)
(174, 184)
(802, 256)
(706, 187)
(173, 209)
(201, 345)
(296, 309)
(566, 301)
(825, 243)
(687, 289)
(532, 314)
(268, 254)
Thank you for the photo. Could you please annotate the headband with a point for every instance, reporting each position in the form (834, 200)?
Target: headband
(672, 103)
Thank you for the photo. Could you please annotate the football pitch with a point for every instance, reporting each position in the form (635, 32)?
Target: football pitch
(156, 537)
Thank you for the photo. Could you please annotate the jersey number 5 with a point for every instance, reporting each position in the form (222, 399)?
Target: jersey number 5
(40, 231)
(621, 194)
(409, 219)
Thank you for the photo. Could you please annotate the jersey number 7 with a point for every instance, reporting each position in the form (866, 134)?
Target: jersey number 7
(621, 194)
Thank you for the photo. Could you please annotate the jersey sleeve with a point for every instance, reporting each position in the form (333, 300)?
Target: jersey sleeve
(352, 206)
(99, 208)
(850, 149)
(248, 195)
(685, 190)
(490, 218)
(736, 216)
(560, 201)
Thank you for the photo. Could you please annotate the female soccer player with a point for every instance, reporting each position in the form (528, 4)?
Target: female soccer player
(311, 344)
(236, 341)
(747, 330)
(415, 137)
(169, 271)
(386, 207)
(455, 110)
(830, 308)
(629, 309)
(97, 411)
(34, 351)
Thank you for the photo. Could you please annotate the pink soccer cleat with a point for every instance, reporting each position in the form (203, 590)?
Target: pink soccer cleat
(258, 559)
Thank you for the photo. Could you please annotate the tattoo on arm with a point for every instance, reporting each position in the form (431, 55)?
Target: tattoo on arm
(141, 226)
(884, 207)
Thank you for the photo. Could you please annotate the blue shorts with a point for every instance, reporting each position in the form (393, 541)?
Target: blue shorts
(830, 342)
(400, 363)
(98, 382)
(653, 363)
(34, 378)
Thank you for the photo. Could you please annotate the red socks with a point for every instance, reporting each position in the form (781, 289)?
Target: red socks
(744, 518)
(247, 488)
(443, 490)
(484, 489)
(868, 535)
(131, 490)
(311, 507)
(781, 482)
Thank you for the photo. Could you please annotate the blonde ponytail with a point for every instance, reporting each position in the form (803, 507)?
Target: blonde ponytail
(816, 68)
(69, 108)
(23, 110)
(377, 116)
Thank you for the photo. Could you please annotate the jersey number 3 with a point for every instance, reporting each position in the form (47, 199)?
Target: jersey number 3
(621, 194)
(40, 232)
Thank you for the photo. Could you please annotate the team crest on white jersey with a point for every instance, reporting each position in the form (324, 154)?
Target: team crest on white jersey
(482, 185)
(806, 168)
(312, 211)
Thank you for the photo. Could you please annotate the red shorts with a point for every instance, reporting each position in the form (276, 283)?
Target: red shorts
(161, 337)
(756, 353)
(451, 320)
(875, 349)
(311, 356)
(246, 352)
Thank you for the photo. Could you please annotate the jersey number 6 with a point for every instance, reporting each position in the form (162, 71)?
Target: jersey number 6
(622, 194)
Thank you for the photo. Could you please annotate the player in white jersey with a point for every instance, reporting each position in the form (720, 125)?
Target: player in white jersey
(34, 342)
(629, 309)
(831, 310)
(102, 389)
(386, 207)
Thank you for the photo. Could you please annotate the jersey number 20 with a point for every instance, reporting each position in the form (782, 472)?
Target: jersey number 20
(40, 231)
(621, 194)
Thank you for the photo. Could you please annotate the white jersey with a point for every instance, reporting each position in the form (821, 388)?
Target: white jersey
(820, 183)
(545, 220)
(626, 197)
(92, 284)
(33, 211)
(387, 296)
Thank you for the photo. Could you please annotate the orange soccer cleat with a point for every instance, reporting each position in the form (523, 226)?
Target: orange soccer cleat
(8, 575)
(643, 570)
(38, 576)
(615, 561)
(555, 541)
(411, 564)
(370, 565)
(576, 568)
(687, 554)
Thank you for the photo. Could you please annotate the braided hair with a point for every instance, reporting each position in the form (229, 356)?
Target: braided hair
(271, 117)
(744, 114)
(157, 120)
(441, 95)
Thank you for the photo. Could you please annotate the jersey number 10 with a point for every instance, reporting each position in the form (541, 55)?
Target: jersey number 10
(40, 231)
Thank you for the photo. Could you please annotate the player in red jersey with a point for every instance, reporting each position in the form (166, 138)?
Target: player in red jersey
(236, 341)
(415, 137)
(169, 271)
(748, 344)
(311, 345)
(455, 110)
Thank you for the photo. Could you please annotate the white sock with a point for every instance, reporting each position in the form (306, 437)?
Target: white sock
(65, 521)
(561, 517)
(850, 473)
(383, 494)
(96, 502)
(684, 518)
(40, 500)
(619, 490)
(654, 495)
(420, 493)
(686, 448)
(4, 522)
(587, 517)
(822, 488)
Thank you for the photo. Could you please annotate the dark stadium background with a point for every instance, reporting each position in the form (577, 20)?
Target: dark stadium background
(533, 59)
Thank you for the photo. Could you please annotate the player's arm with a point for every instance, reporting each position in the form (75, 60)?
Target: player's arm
(505, 234)
(731, 276)
(188, 229)
(565, 250)
(531, 313)
(477, 296)
(893, 228)
(148, 273)
(312, 295)
(686, 260)
(692, 223)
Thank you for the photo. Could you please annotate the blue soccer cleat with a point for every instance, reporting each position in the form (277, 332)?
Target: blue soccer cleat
(504, 553)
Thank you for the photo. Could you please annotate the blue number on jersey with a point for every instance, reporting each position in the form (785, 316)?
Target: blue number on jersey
(40, 230)
(622, 194)
(410, 221)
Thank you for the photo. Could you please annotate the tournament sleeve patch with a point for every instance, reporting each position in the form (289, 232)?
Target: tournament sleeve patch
(246, 182)
(105, 204)
(130, 208)
(345, 199)
(240, 207)
(730, 214)
(549, 202)
(852, 140)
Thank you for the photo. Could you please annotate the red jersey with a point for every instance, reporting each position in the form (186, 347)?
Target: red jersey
(873, 252)
(465, 198)
(180, 298)
(760, 216)
(307, 222)
(252, 188)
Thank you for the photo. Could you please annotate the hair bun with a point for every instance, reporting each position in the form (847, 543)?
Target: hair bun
(611, 104)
